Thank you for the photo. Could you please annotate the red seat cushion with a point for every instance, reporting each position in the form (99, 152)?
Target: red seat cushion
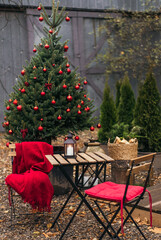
(114, 192)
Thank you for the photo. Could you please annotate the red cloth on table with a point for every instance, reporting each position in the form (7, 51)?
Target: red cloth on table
(29, 177)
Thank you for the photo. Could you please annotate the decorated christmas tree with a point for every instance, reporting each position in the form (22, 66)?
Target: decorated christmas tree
(49, 99)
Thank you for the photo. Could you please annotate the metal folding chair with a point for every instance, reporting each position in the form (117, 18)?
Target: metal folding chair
(122, 195)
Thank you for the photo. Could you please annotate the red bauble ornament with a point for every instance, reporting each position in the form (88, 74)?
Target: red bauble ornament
(34, 67)
(77, 87)
(10, 131)
(26, 84)
(44, 69)
(34, 50)
(79, 84)
(69, 98)
(85, 95)
(10, 100)
(89, 99)
(68, 110)
(42, 93)
(79, 112)
(64, 86)
(68, 70)
(87, 109)
(8, 107)
(40, 128)
(53, 64)
(5, 118)
(40, 44)
(23, 90)
(7, 123)
(59, 117)
(41, 119)
(79, 106)
(82, 102)
(66, 48)
(19, 108)
(19, 89)
(53, 101)
(76, 138)
(35, 78)
(41, 19)
(85, 82)
(50, 31)
(15, 102)
(65, 138)
(67, 19)
(67, 65)
(98, 125)
(39, 8)
(23, 72)
(7, 144)
(60, 71)
(36, 108)
(46, 46)
(92, 128)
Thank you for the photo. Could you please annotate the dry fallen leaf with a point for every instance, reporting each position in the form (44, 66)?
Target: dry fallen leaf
(49, 225)
(155, 230)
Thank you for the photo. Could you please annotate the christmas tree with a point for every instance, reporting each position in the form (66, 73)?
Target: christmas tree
(49, 99)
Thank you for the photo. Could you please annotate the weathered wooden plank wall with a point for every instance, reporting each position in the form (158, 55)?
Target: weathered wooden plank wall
(134, 5)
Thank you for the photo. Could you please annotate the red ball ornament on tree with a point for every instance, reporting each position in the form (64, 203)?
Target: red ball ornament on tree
(79, 106)
(40, 128)
(79, 112)
(39, 8)
(23, 72)
(7, 123)
(8, 107)
(68, 70)
(7, 144)
(44, 69)
(23, 90)
(68, 110)
(41, 119)
(65, 138)
(53, 101)
(76, 138)
(10, 131)
(98, 125)
(34, 67)
(46, 46)
(66, 48)
(60, 72)
(15, 102)
(41, 19)
(79, 84)
(82, 102)
(35, 78)
(50, 31)
(19, 89)
(5, 118)
(64, 86)
(53, 64)
(85, 95)
(19, 108)
(69, 98)
(67, 19)
(34, 50)
(42, 93)
(85, 82)
(10, 100)
(36, 108)
(26, 84)
(76, 87)
(92, 128)
(67, 65)
(59, 117)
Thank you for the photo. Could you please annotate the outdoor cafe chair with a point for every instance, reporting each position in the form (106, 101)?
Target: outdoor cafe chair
(122, 196)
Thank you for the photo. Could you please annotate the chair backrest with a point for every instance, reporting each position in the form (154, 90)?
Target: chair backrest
(143, 163)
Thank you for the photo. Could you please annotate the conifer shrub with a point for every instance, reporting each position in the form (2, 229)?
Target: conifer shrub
(107, 115)
(148, 115)
(126, 103)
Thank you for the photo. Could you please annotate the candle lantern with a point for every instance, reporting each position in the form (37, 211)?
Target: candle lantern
(70, 146)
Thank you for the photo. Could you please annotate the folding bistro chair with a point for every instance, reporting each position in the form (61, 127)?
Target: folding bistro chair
(122, 195)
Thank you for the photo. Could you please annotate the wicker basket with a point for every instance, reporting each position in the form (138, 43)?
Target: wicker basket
(122, 151)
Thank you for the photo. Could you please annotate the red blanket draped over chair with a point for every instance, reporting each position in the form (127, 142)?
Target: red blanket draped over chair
(30, 174)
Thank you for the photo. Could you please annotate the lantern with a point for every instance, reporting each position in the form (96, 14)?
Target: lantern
(70, 146)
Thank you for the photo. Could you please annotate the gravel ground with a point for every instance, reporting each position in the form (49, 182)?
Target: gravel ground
(37, 226)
